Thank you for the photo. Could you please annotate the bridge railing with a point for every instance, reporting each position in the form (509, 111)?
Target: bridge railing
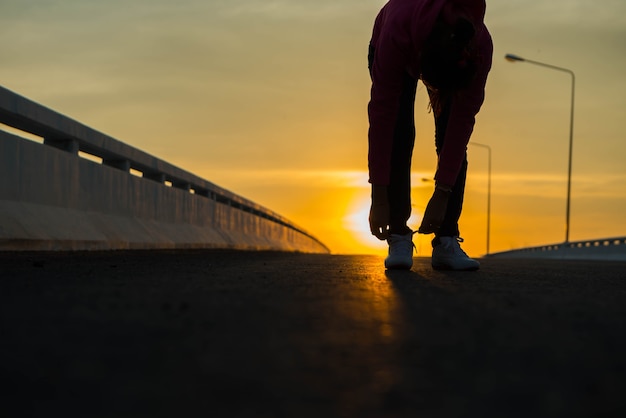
(603, 248)
(64, 133)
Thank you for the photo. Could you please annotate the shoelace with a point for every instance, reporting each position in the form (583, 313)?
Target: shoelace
(456, 246)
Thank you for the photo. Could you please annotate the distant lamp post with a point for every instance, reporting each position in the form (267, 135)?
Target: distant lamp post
(514, 58)
(488, 148)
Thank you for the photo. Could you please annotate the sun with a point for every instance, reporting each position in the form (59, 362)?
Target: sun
(356, 222)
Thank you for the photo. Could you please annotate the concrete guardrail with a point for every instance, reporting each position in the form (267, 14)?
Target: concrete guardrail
(83, 190)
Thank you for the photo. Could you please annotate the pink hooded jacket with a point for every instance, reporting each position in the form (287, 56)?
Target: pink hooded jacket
(398, 37)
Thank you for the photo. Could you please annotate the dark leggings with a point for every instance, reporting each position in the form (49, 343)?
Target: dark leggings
(399, 190)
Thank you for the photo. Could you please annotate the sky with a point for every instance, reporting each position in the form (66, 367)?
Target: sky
(268, 98)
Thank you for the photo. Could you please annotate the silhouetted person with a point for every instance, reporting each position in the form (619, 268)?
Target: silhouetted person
(446, 44)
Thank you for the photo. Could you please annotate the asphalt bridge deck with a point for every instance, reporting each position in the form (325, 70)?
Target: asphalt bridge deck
(245, 334)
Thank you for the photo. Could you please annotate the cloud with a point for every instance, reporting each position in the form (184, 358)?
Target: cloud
(303, 9)
(296, 178)
(607, 15)
(600, 185)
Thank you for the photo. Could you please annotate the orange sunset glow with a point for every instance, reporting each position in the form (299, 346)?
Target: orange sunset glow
(267, 98)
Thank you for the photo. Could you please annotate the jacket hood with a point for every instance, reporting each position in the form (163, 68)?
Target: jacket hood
(426, 12)
(472, 10)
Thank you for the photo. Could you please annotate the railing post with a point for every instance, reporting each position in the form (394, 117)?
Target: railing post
(158, 177)
(68, 145)
(181, 185)
(123, 165)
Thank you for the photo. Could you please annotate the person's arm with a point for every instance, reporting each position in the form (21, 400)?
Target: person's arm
(435, 210)
(465, 106)
(391, 55)
(379, 212)
(387, 63)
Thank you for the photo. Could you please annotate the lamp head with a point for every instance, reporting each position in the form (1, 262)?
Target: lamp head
(513, 58)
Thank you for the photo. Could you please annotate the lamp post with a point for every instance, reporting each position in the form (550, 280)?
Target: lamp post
(514, 58)
(488, 148)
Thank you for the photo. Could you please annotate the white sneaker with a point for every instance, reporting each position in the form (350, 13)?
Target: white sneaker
(400, 251)
(448, 255)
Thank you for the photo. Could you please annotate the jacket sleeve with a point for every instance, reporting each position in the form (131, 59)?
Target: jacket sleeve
(465, 106)
(387, 71)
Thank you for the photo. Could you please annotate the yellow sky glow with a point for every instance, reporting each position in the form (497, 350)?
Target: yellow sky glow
(267, 98)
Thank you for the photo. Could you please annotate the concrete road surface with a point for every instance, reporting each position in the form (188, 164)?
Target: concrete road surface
(244, 334)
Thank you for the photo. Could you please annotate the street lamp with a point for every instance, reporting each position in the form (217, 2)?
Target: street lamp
(514, 58)
(488, 148)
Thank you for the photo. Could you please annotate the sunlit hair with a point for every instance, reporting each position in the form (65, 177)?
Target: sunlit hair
(446, 63)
